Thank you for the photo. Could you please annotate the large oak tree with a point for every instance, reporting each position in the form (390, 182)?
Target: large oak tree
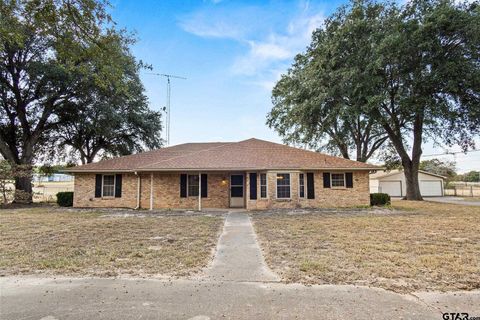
(109, 121)
(426, 79)
(50, 52)
(316, 104)
(415, 69)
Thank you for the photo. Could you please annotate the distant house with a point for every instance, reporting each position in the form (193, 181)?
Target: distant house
(393, 182)
(251, 174)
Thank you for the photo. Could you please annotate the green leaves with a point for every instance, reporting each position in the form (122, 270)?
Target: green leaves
(57, 57)
(112, 119)
(321, 101)
(375, 69)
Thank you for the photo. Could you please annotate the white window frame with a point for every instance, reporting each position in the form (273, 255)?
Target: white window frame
(289, 185)
(114, 185)
(344, 180)
(188, 185)
(266, 185)
(300, 187)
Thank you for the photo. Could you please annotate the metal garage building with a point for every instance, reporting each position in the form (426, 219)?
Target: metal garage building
(393, 182)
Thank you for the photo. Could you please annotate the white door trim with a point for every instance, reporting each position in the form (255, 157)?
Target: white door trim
(237, 202)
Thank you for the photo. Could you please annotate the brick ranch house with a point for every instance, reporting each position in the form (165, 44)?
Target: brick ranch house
(252, 174)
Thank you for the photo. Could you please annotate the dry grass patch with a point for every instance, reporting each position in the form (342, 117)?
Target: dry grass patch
(473, 199)
(36, 240)
(420, 246)
(450, 209)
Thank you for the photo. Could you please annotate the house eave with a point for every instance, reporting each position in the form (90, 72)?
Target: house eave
(250, 169)
(97, 171)
(147, 170)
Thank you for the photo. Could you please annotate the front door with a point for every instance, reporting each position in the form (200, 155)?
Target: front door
(236, 191)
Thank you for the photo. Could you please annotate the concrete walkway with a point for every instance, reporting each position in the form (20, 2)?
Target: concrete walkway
(237, 285)
(453, 200)
(238, 256)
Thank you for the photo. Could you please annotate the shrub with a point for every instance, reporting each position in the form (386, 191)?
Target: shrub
(379, 199)
(65, 199)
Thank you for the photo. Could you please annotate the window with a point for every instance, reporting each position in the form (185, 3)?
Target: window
(338, 180)
(301, 182)
(263, 185)
(283, 185)
(193, 185)
(108, 186)
(236, 185)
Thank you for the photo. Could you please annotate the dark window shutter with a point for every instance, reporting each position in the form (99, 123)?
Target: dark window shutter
(204, 186)
(253, 186)
(310, 185)
(349, 179)
(118, 186)
(98, 186)
(183, 186)
(326, 179)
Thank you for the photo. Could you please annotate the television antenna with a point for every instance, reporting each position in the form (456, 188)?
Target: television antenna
(167, 108)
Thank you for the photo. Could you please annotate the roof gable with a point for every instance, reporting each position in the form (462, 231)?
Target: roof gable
(390, 173)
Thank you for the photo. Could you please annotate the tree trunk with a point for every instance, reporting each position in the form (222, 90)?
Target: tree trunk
(411, 166)
(342, 147)
(411, 177)
(4, 192)
(359, 152)
(23, 187)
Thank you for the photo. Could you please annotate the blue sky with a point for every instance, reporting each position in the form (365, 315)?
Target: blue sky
(231, 53)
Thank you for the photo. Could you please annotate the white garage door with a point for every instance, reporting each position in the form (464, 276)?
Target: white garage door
(393, 188)
(431, 188)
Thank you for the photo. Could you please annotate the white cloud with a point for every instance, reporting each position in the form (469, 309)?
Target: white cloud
(269, 50)
(271, 42)
(278, 47)
(260, 56)
(201, 27)
(268, 79)
(219, 22)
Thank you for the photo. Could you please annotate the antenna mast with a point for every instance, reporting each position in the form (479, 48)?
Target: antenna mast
(167, 108)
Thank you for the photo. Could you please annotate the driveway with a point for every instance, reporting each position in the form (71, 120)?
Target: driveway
(237, 285)
(453, 200)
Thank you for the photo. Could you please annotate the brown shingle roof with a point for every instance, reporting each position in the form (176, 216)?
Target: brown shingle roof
(251, 154)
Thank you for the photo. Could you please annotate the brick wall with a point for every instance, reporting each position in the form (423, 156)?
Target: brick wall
(166, 192)
(359, 195)
(84, 192)
(324, 197)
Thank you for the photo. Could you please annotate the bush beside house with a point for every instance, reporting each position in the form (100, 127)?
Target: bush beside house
(65, 199)
(379, 199)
